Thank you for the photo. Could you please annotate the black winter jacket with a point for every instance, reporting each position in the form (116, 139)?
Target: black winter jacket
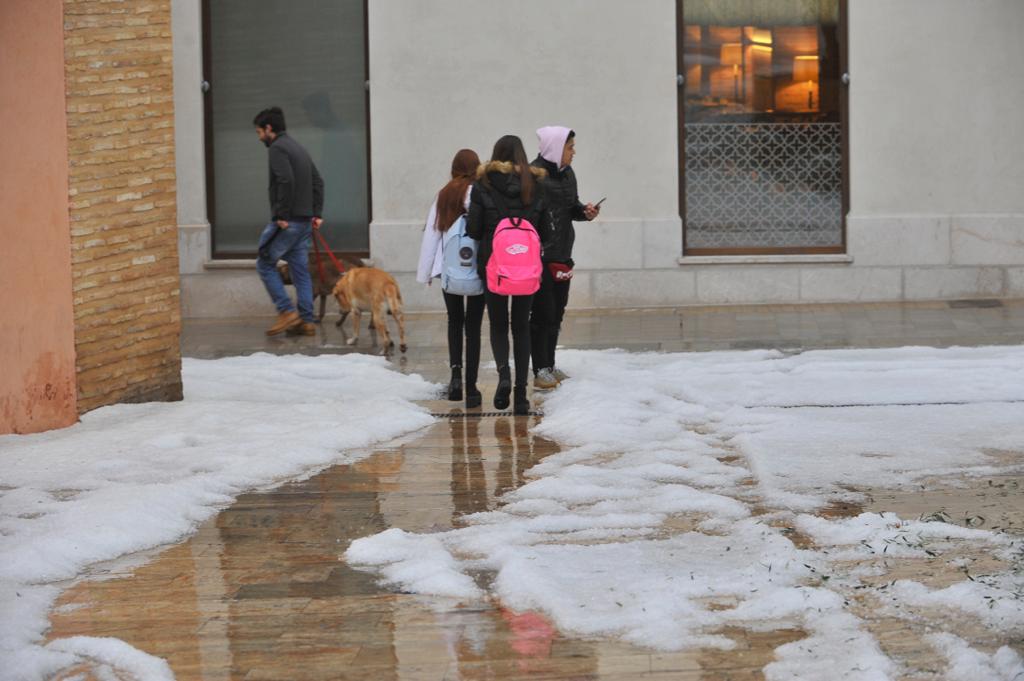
(484, 214)
(563, 203)
(296, 188)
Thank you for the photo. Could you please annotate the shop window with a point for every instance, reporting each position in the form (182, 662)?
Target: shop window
(762, 131)
(309, 58)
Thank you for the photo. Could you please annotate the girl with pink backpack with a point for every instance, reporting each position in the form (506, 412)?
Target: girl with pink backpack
(507, 215)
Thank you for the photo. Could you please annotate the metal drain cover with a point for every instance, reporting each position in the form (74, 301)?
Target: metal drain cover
(983, 302)
(480, 414)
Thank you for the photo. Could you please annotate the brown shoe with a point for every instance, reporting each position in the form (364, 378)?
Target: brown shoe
(285, 321)
(303, 329)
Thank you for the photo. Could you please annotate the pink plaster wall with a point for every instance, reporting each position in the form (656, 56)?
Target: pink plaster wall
(37, 335)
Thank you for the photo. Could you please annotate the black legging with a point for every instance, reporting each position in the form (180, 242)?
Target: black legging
(465, 312)
(546, 319)
(497, 313)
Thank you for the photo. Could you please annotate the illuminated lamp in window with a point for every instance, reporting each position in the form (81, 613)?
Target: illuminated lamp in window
(732, 55)
(805, 68)
(758, 36)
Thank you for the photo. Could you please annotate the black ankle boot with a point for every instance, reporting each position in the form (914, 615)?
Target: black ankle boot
(455, 387)
(504, 388)
(520, 404)
(473, 396)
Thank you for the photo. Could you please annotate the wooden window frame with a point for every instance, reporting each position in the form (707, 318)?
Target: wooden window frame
(211, 215)
(844, 110)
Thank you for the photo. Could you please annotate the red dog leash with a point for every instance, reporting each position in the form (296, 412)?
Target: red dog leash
(319, 260)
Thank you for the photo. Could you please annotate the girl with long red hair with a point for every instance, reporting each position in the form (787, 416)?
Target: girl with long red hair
(465, 313)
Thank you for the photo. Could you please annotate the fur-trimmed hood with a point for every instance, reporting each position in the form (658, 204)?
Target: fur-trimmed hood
(507, 168)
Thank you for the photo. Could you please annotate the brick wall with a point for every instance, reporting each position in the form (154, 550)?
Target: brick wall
(120, 114)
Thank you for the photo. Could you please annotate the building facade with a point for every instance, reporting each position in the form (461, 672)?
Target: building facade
(750, 151)
(90, 282)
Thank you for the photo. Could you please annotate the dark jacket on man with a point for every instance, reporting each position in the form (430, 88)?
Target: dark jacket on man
(484, 213)
(296, 188)
(563, 204)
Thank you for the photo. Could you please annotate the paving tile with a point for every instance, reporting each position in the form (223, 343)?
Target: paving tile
(260, 592)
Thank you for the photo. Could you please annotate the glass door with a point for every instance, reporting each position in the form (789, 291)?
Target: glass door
(762, 157)
(309, 58)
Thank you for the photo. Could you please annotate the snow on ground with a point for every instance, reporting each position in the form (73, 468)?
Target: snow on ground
(745, 446)
(967, 664)
(131, 477)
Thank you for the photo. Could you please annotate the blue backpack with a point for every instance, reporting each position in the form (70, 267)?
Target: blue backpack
(458, 254)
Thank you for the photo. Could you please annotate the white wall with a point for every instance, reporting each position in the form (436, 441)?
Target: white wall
(936, 99)
(936, 141)
(448, 74)
(189, 149)
(936, 144)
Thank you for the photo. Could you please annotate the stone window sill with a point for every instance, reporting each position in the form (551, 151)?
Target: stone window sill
(240, 264)
(828, 259)
(250, 264)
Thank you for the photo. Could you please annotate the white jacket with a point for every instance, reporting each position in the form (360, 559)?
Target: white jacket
(431, 260)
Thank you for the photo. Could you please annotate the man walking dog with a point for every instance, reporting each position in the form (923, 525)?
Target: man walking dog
(296, 207)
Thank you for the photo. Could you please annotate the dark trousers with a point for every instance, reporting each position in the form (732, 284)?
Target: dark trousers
(546, 319)
(465, 313)
(498, 314)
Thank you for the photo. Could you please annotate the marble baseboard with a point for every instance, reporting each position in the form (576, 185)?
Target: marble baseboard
(193, 248)
(618, 244)
(239, 293)
(718, 284)
(988, 240)
(417, 297)
(603, 244)
(1015, 282)
(958, 240)
(224, 293)
(941, 283)
(641, 288)
(899, 240)
(850, 284)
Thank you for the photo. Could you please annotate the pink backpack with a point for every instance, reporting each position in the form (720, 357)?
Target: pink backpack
(514, 268)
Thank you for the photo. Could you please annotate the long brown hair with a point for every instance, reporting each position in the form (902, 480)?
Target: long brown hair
(510, 150)
(451, 198)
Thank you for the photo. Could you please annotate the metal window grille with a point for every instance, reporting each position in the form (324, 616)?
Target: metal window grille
(763, 185)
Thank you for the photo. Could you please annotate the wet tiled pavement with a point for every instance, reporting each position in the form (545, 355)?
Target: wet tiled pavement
(260, 592)
(939, 324)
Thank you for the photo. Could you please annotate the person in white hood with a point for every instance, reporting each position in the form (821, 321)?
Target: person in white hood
(557, 149)
(464, 312)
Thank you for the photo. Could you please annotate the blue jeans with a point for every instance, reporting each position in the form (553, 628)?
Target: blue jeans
(292, 246)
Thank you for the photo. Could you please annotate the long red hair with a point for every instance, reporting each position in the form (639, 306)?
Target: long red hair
(451, 198)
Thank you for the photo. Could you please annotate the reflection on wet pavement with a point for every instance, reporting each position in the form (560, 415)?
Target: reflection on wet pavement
(682, 329)
(990, 502)
(260, 592)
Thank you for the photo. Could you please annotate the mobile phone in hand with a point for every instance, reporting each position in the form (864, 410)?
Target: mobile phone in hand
(598, 204)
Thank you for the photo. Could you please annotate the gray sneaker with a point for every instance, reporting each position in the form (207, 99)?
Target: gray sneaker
(545, 380)
(559, 374)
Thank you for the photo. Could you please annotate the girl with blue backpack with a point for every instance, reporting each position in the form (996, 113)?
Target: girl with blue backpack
(507, 215)
(449, 254)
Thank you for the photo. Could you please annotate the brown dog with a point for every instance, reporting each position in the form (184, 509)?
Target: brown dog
(322, 289)
(376, 291)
